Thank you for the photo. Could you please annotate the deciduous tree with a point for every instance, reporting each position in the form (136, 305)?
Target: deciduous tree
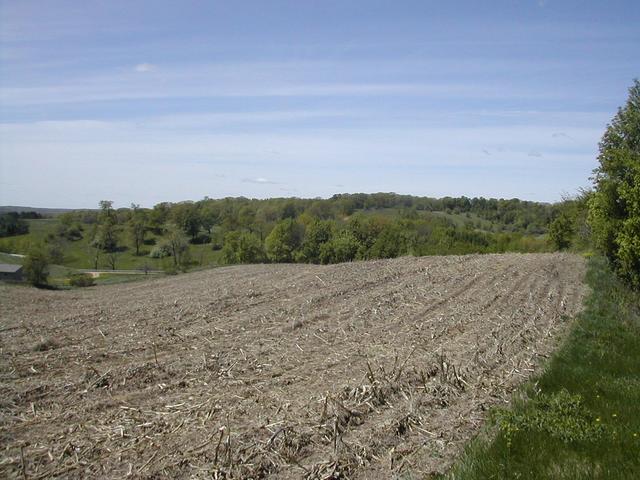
(284, 240)
(614, 209)
(36, 266)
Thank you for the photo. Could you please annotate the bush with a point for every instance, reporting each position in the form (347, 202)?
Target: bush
(169, 267)
(201, 239)
(36, 266)
(560, 232)
(11, 224)
(161, 250)
(81, 280)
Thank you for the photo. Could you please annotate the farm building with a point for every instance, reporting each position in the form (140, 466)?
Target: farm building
(10, 272)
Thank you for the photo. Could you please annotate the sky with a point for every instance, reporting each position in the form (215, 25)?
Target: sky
(151, 101)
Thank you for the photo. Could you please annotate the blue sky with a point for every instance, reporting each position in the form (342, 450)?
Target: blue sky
(152, 101)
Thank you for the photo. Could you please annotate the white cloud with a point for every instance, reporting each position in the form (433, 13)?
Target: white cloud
(259, 180)
(144, 67)
(189, 156)
(257, 79)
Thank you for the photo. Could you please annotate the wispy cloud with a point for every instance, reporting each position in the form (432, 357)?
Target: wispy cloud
(561, 135)
(144, 67)
(201, 100)
(259, 180)
(258, 79)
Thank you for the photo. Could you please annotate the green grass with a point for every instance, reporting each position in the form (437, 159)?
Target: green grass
(80, 255)
(581, 417)
(58, 274)
(11, 260)
(462, 220)
(112, 278)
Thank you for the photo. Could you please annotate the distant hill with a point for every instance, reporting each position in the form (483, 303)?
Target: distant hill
(47, 212)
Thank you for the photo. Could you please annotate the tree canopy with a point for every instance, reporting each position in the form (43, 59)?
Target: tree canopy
(614, 209)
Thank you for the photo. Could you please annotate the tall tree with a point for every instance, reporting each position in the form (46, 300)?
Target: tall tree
(36, 266)
(106, 237)
(137, 227)
(561, 231)
(187, 217)
(284, 240)
(178, 245)
(317, 234)
(614, 208)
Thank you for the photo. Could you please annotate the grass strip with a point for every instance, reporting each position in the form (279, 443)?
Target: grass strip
(581, 417)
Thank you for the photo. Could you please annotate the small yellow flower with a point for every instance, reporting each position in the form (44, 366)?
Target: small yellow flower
(614, 415)
(635, 434)
(598, 419)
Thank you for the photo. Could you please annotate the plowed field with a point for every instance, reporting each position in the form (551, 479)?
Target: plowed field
(364, 370)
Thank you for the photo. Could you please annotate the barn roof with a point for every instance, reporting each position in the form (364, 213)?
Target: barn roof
(9, 268)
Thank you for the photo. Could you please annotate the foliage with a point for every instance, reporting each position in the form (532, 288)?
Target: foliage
(161, 250)
(242, 247)
(326, 230)
(284, 240)
(12, 224)
(341, 248)
(137, 227)
(105, 236)
(178, 246)
(614, 209)
(81, 280)
(55, 250)
(36, 266)
(561, 231)
(69, 227)
(391, 242)
(185, 215)
(317, 234)
(560, 415)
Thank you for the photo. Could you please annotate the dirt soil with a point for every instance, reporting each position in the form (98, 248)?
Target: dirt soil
(380, 369)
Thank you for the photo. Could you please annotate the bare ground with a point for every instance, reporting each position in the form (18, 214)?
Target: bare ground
(365, 370)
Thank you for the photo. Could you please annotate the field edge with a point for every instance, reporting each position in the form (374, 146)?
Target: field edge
(580, 414)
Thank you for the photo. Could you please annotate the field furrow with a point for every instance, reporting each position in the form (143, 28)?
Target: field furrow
(365, 370)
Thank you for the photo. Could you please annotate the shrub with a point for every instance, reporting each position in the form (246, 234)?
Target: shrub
(81, 280)
(36, 266)
(561, 231)
(161, 250)
(201, 239)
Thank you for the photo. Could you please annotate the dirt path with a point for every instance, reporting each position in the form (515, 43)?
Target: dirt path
(365, 370)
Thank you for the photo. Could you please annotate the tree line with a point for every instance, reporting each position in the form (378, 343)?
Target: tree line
(342, 228)
(363, 226)
(13, 223)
